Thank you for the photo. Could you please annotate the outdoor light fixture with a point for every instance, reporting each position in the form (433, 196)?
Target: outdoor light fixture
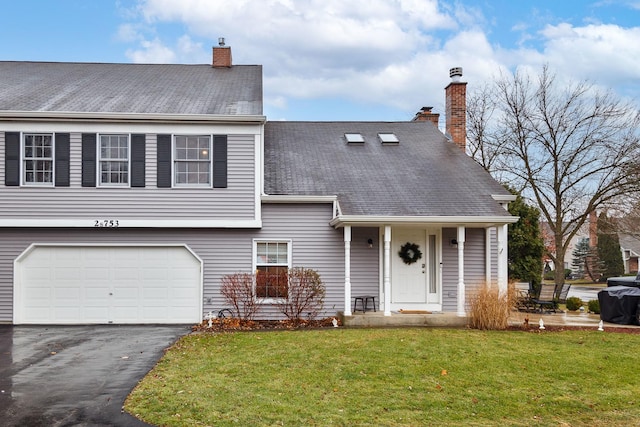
(370, 242)
(454, 243)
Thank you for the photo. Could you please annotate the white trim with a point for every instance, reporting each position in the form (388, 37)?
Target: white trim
(487, 256)
(504, 197)
(386, 281)
(503, 258)
(266, 198)
(461, 237)
(18, 285)
(23, 182)
(149, 128)
(132, 223)
(175, 184)
(342, 220)
(129, 117)
(347, 271)
(258, 161)
(99, 183)
(254, 263)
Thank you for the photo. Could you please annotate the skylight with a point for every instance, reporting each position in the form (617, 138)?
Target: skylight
(354, 137)
(388, 138)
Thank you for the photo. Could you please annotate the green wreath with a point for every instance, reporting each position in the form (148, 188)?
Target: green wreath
(410, 253)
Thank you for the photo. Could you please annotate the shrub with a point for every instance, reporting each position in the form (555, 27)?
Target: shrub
(489, 309)
(305, 295)
(574, 303)
(238, 291)
(594, 306)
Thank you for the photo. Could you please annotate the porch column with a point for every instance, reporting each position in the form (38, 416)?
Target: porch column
(387, 270)
(347, 270)
(503, 261)
(487, 257)
(461, 285)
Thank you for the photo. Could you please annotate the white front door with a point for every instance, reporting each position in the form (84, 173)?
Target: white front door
(416, 286)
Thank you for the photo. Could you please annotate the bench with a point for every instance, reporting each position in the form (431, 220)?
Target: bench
(364, 302)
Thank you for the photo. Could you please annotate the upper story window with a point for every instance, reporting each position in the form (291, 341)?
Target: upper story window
(192, 160)
(37, 157)
(114, 159)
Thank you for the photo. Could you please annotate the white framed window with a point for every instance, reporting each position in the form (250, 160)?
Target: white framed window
(113, 158)
(272, 261)
(37, 159)
(192, 160)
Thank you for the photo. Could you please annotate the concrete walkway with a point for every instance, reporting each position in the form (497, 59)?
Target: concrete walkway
(582, 319)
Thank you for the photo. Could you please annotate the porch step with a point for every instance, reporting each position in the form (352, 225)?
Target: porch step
(378, 319)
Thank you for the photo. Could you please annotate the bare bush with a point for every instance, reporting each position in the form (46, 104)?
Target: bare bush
(238, 290)
(305, 295)
(490, 309)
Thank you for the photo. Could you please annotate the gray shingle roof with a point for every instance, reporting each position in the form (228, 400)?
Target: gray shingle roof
(423, 175)
(130, 88)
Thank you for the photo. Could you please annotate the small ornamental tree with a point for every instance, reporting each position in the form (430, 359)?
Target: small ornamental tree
(238, 290)
(305, 296)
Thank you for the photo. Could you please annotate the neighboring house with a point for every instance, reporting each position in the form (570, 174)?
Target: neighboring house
(549, 243)
(128, 191)
(630, 247)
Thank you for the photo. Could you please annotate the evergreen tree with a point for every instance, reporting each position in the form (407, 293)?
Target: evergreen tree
(526, 245)
(585, 259)
(609, 251)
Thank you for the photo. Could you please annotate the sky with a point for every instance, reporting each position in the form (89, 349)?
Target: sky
(378, 60)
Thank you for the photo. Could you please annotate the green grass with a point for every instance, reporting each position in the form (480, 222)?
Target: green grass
(394, 377)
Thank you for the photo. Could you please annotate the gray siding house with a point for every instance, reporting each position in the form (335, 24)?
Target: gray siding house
(129, 190)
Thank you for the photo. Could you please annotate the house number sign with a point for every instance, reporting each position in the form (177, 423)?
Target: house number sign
(109, 223)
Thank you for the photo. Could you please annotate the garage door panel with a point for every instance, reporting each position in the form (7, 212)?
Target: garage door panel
(119, 284)
(70, 295)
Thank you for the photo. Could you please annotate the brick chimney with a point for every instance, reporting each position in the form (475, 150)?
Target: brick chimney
(456, 108)
(425, 114)
(221, 55)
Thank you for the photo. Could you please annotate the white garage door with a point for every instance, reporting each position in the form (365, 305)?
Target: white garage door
(107, 284)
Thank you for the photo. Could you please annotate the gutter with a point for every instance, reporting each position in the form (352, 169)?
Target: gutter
(343, 220)
(128, 117)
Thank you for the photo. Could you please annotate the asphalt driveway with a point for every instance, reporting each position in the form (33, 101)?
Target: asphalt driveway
(76, 375)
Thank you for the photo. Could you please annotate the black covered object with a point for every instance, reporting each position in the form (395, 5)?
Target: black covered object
(619, 304)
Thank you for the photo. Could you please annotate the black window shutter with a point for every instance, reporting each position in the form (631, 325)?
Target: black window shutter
(220, 161)
(88, 159)
(62, 160)
(164, 161)
(12, 159)
(138, 160)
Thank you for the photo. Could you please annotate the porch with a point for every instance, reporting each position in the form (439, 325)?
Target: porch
(452, 320)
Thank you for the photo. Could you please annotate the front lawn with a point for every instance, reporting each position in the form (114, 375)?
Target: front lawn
(394, 377)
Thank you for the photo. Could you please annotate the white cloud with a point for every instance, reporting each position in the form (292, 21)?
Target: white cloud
(152, 52)
(128, 33)
(394, 53)
(605, 53)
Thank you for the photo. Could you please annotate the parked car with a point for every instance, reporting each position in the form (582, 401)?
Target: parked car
(625, 281)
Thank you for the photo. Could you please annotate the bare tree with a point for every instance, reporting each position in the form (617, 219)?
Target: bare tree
(572, 149)
(484, 141)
